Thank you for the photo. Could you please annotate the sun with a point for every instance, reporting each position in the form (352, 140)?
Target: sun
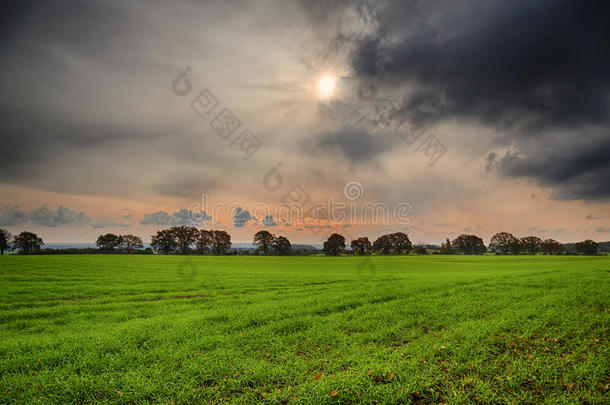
(326, 86)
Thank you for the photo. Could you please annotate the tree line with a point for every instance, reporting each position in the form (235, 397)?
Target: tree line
(191, 240)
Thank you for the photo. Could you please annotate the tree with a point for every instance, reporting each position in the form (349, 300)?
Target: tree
(400, 243)
(221, 242)
(5, 240)
(282, 246)
(185, 236)
(393, 243)
(469, 245)
(361, 246)
(504, 243)
(108, 242)
(204, 242)
(551, 247)
(382, 245)
(164, 241)
(131, 242)
(334, 245)
(264, 240)
(586, 247)
(446, 248)
(530, 244)
(27, 242)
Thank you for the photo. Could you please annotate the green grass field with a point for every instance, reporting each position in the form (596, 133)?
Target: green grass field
(423, 329)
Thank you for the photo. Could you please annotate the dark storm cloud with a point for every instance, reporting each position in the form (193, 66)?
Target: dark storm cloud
(356, 145)
(574, 172)
(539, 65)
(62, 216)
(178, 218)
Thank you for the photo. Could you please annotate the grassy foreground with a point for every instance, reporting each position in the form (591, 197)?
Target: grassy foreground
(423, 329)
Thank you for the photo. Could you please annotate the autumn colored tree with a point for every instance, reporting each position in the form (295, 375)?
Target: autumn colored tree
(382, 245)
(282, 246)
(204, 242)
(469, 245)
(334, 245)
(5, 240)
(164, 242)
(393, 243)
(361, 246)
(586, 247)
(551, 247)
(131, 243)
(264, 240)
(108, 242)
(400, 243)
(27, 243)
(504, 243)
(221, 242)
(185, 237)
(530, 244)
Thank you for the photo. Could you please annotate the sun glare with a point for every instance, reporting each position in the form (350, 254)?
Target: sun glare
(326, 86)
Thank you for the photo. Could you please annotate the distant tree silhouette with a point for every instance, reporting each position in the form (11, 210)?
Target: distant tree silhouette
(164, 241)
(469, 245)
(504, 243)
(361, 246)
(131, 243)
(264, 240)
(5, 240)
(551, 247)
(334, 245)
(282, 246)
(221, 242)
(27, 242)
(204, 242)
(108, 242)
(586, 247)
(530, 244)
(185, 237)
(420, 250)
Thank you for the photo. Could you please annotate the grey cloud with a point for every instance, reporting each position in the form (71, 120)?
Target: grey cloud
(241, 217)
(268, 221)
(62, 216)
(603, 229)
(550, 74)
(356, 145)
(10, 216)
(178, 218)
(592, 217)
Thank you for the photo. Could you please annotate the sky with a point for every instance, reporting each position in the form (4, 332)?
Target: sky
(433, 118)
